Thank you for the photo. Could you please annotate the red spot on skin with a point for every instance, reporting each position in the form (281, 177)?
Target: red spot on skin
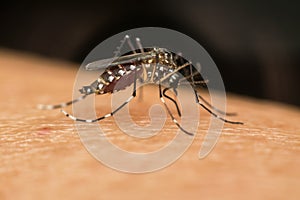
(44, 131)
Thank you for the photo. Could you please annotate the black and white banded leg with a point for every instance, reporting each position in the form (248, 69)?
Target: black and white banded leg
(214, 108)
(206, 102)
(140, 46)
(211, 112)
(170, 113)
(109, 114)
(61, 105)
(171, 99)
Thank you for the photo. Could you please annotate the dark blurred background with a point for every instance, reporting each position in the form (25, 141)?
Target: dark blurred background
(255, 44)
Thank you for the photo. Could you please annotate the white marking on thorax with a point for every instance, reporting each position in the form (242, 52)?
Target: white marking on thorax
(132, 67)
(111, 78)
(121, 72)
(100, 86)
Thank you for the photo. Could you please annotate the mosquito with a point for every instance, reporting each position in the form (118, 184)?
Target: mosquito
(148, 65)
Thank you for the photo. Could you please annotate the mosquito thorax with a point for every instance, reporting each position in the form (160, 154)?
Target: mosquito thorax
(164, 57)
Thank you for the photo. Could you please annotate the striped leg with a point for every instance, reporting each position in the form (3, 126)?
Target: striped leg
(214, 108)
(211, 112)
(107, 115)
(170, 98)
(51, 107)
(170, 113)
(206, 102)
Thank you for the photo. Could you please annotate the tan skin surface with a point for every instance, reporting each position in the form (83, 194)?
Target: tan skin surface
(42, 156)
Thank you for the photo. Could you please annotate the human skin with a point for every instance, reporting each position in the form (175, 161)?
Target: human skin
(42, 156)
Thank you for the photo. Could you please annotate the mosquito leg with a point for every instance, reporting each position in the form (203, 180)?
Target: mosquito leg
(51, 107)
(206, 102)
(109, 114)
(185, 82)
(185, 78)
(139, 44)
(214, 108)
(170, 98)
(211, 112)
(130, 44)
(207, 109)
(170, 113)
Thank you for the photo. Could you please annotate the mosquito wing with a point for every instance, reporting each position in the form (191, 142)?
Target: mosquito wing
(100, 64)
(127, 59)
